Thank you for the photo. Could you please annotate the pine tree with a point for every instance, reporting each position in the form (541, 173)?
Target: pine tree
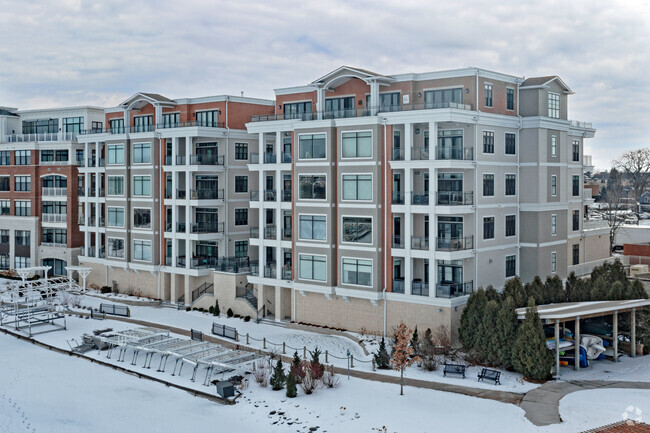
(428, 351)
(530, 355)
(382, 358)
(415, 341)
(278, 378)
(506, 326)
(217, 311)
(486, 340)
(536, 289)
(471, 318)
(616, 291)
(296, 369)
(515, 289)
(403, 355)
(292, 390)
(635, 290)
(599, 288)
(553, 290)
(491, 293)
(570, 286)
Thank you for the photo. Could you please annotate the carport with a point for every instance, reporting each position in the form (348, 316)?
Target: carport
(557, 314)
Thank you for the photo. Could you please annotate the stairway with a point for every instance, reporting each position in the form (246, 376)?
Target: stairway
(251, 299)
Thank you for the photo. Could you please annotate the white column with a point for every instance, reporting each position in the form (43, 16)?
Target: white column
(189, 253)
(408, 231)
(126, 120)
(320, 101)
(279, 313)
(158, 118)
(374, 97)
(433, 140)
(408, 140)
(633, 333)
(174, 153)
(576, 351)
(615, 335)
(278, 146)
(87, 177)
(433, 200)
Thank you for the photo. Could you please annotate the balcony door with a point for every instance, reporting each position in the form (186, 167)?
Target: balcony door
(450, 272)
(449, 229)
(207, 183)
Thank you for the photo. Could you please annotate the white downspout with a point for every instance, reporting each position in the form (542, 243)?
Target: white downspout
(226, 183)
(476, 187)
(386, 182)
(518, 272)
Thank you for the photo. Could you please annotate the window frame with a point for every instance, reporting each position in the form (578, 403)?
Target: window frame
(236, 221)
(553, 146)
(239, 152)
(492, 217)
(553, 262)
(135, 149)
(300, 176)
(514, 234)
(108, 193)
(356, 133)
(372, 234)
(148, 176)
(324, 158)
(123, 247)
(134, 226)
(514, 144)
(493, 184)
(356, 175)
(553, 224)
(142, 242)
(111, 149)
(108, 216)
(514, 259)
(510, 101)
(553, 185)
(300, 256)
(489, 135)
(357, 259)
(488, 95)
(514, 193)
(312, 222)
(553, 99)
(243, 176)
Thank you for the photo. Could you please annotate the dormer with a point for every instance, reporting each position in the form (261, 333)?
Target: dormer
(544, 96)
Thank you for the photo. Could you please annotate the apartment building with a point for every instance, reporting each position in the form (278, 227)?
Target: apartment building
(390, 198)
(39, 158)
(165, 198)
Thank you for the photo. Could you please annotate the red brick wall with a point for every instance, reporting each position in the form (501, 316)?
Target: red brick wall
(636, 250)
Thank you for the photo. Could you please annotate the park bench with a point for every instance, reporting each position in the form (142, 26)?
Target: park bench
(454, 369)
(494, 375)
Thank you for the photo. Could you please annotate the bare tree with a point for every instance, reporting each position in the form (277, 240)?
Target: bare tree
(636, 166)
(614, 199)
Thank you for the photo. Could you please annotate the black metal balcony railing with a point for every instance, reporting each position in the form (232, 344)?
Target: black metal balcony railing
(455, 152)
(269, 270)
(269, 195)
(189, 124)
(398, 285)
(180, 194)
(206, 160)
(420, 198)
(398, 154)
(270, 233)
(420, 242)
(454, 290)
(207, 194)
(455, 198)
(180, 227)
(398, 241)
(255, 268)
(223, 264)
(255, 232)
(419, 153)
(287, 274)
(286, 195)
(455, 244)
(419, 288)
(255, 195)
(149, 128)
(207, 227)
(398, 197)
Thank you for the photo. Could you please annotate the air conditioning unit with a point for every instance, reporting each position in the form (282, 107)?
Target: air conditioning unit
(638, 269)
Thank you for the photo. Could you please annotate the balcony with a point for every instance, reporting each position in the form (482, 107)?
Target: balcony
(207, 194)
(90, 252)
(269, 270)
(455, 198)
(270, 158)
(42, 136)
(455, 153)
(286, 195)
(286, 233)
(54, 244)
(398, 197)
(206, 160)
(398, 241)
(92, 222)
(207, 227)
(54, 192)
(91, 162)
(419, 153)
(54, 218)
(286, 157)
(398, 154)
(419, 288)
(420, 198)
(454, 290)
(255, 232)
(180, 159)
(455, 244)
(287, 274)
(420, 242)
(181, 194)
(180, 227)
(269, 195)
(255, 195)
(171, 125)
(398, 285)
(54, 162)
(270, 233)
(255, 268)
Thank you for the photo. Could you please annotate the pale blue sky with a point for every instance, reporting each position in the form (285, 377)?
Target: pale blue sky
(73, 52)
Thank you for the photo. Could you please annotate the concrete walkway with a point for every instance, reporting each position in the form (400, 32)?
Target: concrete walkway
(542, 405)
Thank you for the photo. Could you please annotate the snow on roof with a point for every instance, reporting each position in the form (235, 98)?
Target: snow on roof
(570, 310)
(625, 426)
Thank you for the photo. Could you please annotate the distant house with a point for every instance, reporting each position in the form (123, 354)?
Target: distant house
(645, 198)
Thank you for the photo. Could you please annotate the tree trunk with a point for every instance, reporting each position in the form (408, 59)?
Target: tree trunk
(401, 383)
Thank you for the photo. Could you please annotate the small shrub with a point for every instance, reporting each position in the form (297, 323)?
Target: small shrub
(229, 313)
(309, 374)
(292, 390)
(188, 308)
(105, 289)
(329, 379)
(382, 358)
(217, 310)
(279, 378)
(261, 373)
(237, 316)
(296, 368)
(211, 310)
(247, 319)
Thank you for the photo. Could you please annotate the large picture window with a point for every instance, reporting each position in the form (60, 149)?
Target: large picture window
(312, 146)
(115, 185)
(115, 154)
(73, 124)
(356, 271)
(442, 98)
(116, 217)
(142, 185)
(142, 153)
(313, 267)
(142, 250)
(142, 218)
(115, 247)
(313, 227)
(207, 118)
(312, 187)
(357, 144)
(356, 229)
(357, 187)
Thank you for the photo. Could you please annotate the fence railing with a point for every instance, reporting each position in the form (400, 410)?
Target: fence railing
(115, 310)
(196, 335)
(225, 331)
(455, 198)
(54, 192)
(454, 290)
(455, 244)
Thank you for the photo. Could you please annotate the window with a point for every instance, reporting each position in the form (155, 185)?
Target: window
(171, 120)
(553, 145)
(143, 123)
(42, 126)
(511, 185)
(61, 155)
(313, 267)
(73, 124)
(241, 217)
(5, 183)
(241, 249)
(576, 254)
(5, 207)
(511, 266)
(4, 236)
(488, 95)
(312, 187)
(55, 207)
(576, 185)
(576, 151)
(510, 143)
(553, 262)
(241, 183)
(23, 183)
(55, 236)
(142, 185)
(116, 217)
(553, 185)
(117, 126)
(313, 227)
(115, 185)
(115, 247)
(488, 142)
(241, 151)
(4, 157)
(207, 118)
(339, 107)
(297, 110)
(22, 237)
(47, 155)
(115, 153)
(576, 220)
(142, 153)
(488, 185)
(142, 250)
(357, 230)
(311, 146)
(23, 157)
(554, 105)
(96, 127)
(511, 225)
(356, 271)
(142, 218)
(488, 228)
(357, 145)
(357, 187)
(442, 98)
(23, 208)
(510, 99)
(553, 224)
(22, 262)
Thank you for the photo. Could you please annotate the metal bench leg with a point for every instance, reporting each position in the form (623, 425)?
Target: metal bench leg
(176, 364)
(161, 361)
(207, 374)
(181, 369)
(194, 372)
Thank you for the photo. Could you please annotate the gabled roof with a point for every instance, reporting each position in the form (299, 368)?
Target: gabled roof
(138, 100)
(354, 71)
(541, 82)
(346, 73)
